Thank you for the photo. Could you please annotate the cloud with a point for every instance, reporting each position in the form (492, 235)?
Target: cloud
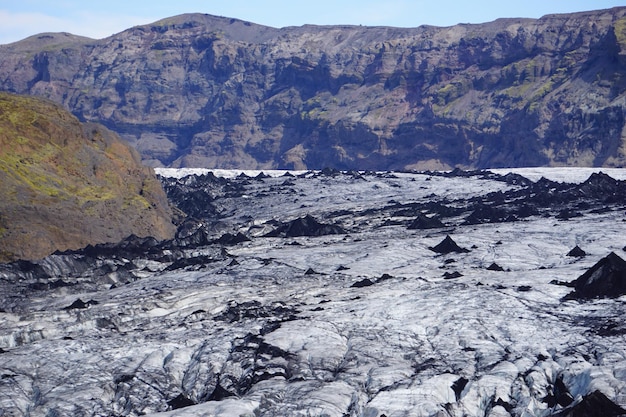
(17, 26)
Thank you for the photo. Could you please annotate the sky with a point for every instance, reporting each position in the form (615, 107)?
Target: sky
(99, 19)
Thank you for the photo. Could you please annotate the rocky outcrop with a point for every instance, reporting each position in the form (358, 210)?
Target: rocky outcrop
(199, 90)
(65, 185)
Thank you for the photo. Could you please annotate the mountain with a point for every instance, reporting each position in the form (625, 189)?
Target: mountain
(207, 91)
(343, 311)
(65, 184)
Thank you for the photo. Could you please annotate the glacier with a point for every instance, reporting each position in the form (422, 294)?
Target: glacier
(227, 320)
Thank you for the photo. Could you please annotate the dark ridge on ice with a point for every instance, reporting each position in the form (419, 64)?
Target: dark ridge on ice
(577, 252)
(606, 279)
(488, 214)
(195, 261)
(232, 239)
(425, 222)
(495, 267)
(452, 275)
(80, 304)
(181, 401)
(305, 226)
(366, 282)
(219, 393)
(448, 246)
(458, 386)
(568, 213)
(202, 201)
(50, 285)
(236, 312)
(558, 394)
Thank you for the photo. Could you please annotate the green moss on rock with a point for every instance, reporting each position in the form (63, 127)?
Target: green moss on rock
(66, 184)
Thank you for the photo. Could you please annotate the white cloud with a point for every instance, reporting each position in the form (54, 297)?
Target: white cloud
(17, 26)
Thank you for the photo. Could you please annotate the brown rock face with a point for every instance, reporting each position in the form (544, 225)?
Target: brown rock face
(65, 184)
(198, 90)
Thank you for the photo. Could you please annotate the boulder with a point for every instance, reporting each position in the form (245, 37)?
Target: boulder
(366, 282)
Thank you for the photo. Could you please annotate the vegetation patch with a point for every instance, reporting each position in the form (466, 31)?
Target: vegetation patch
(620, 32)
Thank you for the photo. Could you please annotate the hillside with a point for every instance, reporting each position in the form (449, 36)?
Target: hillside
(207, 91)
(65, 185)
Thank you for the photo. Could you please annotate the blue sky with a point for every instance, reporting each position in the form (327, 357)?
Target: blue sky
(99, 19)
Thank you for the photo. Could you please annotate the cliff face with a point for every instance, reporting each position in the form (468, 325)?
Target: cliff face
(199, 90)
(65, 184)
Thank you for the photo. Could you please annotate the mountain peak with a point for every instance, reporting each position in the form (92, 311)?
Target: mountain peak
(231, 28)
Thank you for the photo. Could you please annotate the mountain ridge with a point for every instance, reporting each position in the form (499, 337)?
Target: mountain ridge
(204, 91)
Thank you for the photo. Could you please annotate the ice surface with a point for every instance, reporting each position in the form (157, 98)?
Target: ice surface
(262, 337)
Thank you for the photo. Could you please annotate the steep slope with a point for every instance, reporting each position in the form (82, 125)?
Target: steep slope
(200, 90)
(65, 184)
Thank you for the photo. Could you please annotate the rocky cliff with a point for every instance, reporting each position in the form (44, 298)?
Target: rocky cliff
(65, 184)
(200, 90)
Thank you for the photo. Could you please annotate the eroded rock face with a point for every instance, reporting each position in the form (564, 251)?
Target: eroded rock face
(198, 90)
(65, 185)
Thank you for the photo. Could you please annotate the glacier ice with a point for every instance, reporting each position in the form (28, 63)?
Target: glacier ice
(274, 326)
